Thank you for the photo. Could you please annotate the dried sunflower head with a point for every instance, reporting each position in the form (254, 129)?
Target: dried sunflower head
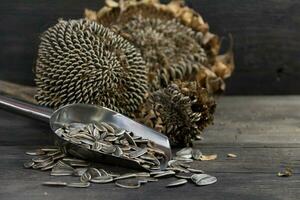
(80, 61)
(181, 111)
(174, 40)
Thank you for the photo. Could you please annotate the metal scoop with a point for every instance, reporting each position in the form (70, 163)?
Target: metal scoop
(86, 113)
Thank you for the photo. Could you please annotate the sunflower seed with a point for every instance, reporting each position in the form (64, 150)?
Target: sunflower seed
(53, 153)
(93, 172)
(184, 175)
(192, 170)
(28, 164)
(79, 185)
(79, 171)
(120, 132)
(42, 164)
(196, 153)
(85, 177)
(177, 183)
(184, 152)
(49, 166)
(165, 174)
(50, 149)
(108, 127)
(62, 169)
(138, 153)
(103, 172)
(125, 176)
(143, 174)
(41, 158)
(114, 175)
(128, 183)
(102, 179)
(203, 179)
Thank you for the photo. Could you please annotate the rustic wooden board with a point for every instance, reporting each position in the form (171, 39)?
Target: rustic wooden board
(266, 34)
(252, 175)
(248, 120)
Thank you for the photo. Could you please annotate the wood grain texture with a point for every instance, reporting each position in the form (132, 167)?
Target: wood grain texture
(266, 34)
(252, 175)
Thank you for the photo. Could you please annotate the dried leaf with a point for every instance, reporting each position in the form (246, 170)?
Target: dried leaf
(224, 64)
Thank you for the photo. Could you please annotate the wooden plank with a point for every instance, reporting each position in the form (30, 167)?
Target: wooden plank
(252, 175)
(229, 186)
(264, 121)
(249, 160)
(266, 34)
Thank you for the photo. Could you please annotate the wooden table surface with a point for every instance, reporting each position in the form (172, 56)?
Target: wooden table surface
(264, 132)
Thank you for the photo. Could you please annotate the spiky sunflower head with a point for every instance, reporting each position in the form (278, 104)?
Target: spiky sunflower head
(174, 40)
(80, 61)
(181, 111)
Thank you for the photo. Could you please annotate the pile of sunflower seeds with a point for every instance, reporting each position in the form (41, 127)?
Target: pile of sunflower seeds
(109, 139)
(61, 164)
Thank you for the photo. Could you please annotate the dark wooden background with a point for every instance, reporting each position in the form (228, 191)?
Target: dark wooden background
(266, 33)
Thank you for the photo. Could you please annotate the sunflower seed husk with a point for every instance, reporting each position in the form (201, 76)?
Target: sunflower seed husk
(28, 164)
(41, 159)
(79, 171)
(43, 164)
(178, 169)
(94, 172)
(49, 166)
(184, 152)
(58, 156)
(177, 183)
(62, 169)
(79, 184)
(143, 174)
(50, 149)
(108, 127)
(192, 170)
(102, 179)
(203, 179)
(128, 183)
(37, 152)
(55, 183)
(196, 153)
(184, 165)
(126, 176)
(138, 153)
(165, 174)
(153, 173)
(112, 174)
(184, 175)
(103, 172)
(85, 177)
(53, 153)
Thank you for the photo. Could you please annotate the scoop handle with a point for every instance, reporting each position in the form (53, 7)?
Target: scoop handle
(30, 110)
